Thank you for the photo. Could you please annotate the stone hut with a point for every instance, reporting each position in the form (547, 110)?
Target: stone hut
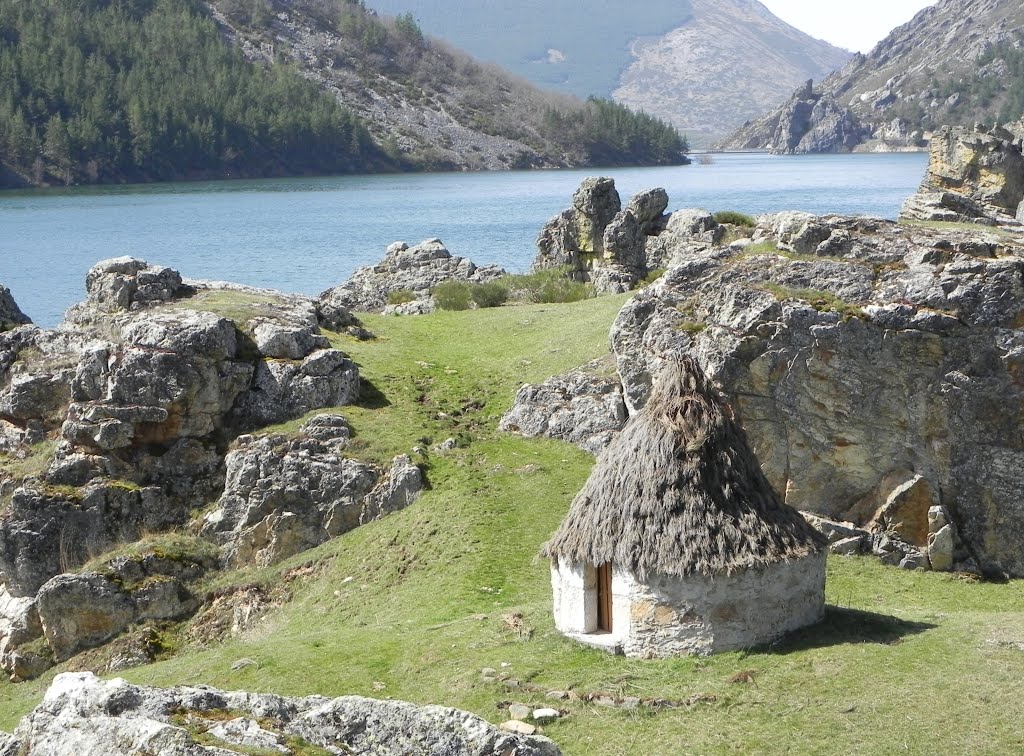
(678, 544)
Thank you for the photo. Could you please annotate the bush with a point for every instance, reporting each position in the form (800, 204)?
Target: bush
(549, 286)
(735, 219)
(453, 295)
(489, 294)
(401, 296)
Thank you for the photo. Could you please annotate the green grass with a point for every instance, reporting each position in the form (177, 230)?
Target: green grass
(34, 463)
(239, 306)
(901, 661)
(822, 301)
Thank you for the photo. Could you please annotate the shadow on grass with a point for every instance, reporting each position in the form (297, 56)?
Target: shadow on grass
(371, 397)
(841, 626)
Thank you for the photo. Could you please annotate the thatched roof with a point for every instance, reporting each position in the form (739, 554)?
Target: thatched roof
(679, 492)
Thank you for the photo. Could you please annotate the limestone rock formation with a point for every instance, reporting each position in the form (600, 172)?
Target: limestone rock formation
(415, 269)
(597, 241)
(284, 496)
(583, 407)
(973, 176)
(84, 715)
(879, 351)
(10, 314)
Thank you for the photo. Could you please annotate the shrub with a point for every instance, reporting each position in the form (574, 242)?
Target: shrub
(549, 286)
(453, 295)
(401, 296)
(653, 275)
(489, 294)
(735, 218)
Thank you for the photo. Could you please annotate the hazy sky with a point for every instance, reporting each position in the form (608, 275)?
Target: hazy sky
(855, 26)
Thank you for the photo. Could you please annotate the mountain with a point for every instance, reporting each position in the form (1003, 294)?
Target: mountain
(93, 91)
(708, 76)
(955, 63)
(698, 64)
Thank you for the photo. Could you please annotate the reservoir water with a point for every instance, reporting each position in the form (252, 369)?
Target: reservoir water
(306, 235)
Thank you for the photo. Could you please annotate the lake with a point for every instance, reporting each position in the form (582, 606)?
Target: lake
(306, 235)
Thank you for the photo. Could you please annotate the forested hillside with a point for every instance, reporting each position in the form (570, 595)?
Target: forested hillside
(95, 91)
(145, 90)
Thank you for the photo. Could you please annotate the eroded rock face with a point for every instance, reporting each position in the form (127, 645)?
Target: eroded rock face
(891, 349)
(415, 269)
(84, 715)
(973, 175)
(11, 315)
(285, 495)
(583, 407)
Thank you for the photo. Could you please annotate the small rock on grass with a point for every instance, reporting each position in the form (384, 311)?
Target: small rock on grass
(522, 728)
(518, 711)
(543, 716)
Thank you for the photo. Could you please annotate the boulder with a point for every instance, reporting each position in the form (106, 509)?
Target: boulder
(126, 283)
(285, 389)
(900, 351)
(415, 269)
(11, 315)
(584, 407)
(84, 715)
(82, 611)
(285, 495)
(287, 342)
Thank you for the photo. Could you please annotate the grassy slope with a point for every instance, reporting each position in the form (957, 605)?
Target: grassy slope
(906, 662)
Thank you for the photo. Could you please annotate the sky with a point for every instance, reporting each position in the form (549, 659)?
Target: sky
(856, 26)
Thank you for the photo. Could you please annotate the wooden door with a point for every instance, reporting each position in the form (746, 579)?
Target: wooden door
(604, 598)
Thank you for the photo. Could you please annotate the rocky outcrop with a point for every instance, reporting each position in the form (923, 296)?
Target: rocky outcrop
(286, 495)
(597, 241)
(877, 354)
(86, 610)
(139, 392)
(413, 270)
(974, 175)
(583, 407)
(807, 122)
(948, 66)
(84, 715)
(11, 315)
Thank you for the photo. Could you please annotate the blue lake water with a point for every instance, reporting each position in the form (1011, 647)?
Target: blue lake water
(306, 235)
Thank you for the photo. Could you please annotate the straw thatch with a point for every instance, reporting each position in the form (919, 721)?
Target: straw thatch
(679, 492)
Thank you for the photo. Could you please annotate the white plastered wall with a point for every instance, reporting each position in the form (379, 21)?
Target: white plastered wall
(696, 615)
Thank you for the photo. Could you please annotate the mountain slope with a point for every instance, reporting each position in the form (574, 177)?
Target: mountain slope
(698, 64)
(708, 76)
(955, 63)
(550, 42)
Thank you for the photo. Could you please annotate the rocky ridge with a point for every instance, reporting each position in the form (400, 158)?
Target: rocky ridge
(141, 405)
(923, 75)
(84, 715)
